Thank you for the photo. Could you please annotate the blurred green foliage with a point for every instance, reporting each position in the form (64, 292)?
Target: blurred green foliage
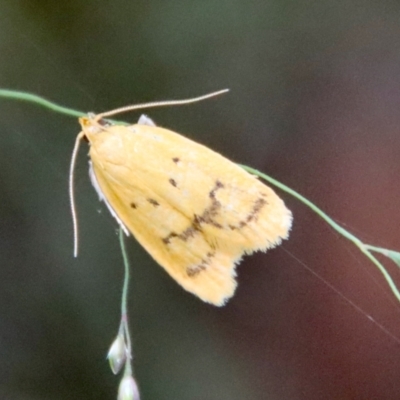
(314, 101)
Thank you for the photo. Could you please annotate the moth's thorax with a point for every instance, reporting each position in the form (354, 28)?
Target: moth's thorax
(108, 144)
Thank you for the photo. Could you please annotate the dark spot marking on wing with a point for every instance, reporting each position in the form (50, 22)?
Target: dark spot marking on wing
(196, 221)
(252, 215)
(258, 205)
(205, 218)
(173, 182)
(188, 233)
(176, 160)
(167, 239)
(209, 213)
(153, 202)
(194, 270)
(218, 185)
(133, 205)
(213, 210)
(255, 211)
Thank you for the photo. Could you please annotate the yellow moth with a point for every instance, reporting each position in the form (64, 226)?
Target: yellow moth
(193, 210)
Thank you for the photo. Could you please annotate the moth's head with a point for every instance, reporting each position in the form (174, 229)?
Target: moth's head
(93, 124)
(87, 122)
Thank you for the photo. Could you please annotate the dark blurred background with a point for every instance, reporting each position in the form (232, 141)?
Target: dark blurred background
(315, 94)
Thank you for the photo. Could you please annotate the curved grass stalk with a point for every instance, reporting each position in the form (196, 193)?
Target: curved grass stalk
(40, 101)
(366, 249)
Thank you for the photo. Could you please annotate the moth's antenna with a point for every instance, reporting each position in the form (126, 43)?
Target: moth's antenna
(71, 191)
(159, 104)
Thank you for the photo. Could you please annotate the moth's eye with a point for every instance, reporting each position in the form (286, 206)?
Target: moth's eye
(104, 122)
